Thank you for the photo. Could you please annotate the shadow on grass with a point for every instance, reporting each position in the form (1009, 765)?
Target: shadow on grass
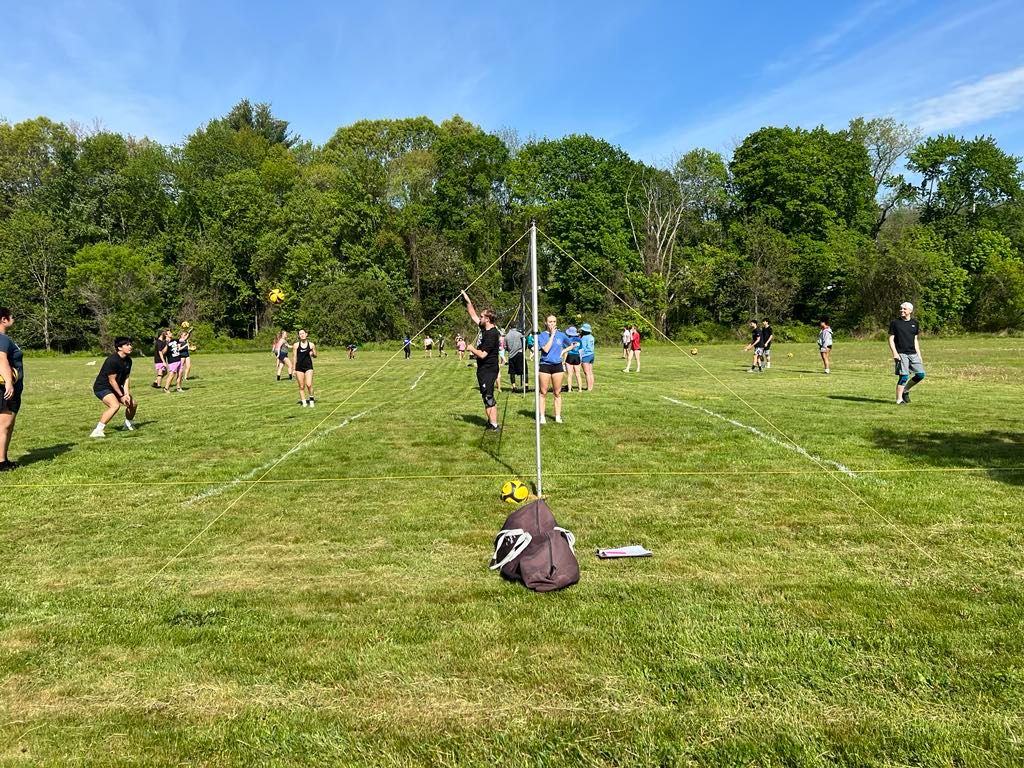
(856, 399)
(45, 454)
(1001, 453)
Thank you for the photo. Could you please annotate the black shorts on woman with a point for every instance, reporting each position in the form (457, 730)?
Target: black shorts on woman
(551, 368)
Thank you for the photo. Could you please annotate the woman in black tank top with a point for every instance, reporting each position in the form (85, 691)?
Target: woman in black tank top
(305, 352)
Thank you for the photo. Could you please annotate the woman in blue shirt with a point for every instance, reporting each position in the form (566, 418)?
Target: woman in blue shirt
(552, 347)
(586, 351)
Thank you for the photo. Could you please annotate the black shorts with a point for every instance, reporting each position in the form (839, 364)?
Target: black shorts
(485, 378)
(101, 393)
(515, 364)
(551, 368)
(572, 359)
(303, 367)
(14, 404)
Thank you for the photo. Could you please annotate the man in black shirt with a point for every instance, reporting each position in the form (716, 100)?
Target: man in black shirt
(767, 335)
(111, 386)
(486, 354)
(906, 352)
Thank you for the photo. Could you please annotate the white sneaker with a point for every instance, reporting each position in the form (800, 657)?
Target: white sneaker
(312, 404)
(827, 371)
(129, 426)
(97, 433)
(625, 370)
(558, 419)
(543, 420)
(304, 403)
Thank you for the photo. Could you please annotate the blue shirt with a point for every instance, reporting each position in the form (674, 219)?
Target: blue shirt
(587, 348)
(554, 355)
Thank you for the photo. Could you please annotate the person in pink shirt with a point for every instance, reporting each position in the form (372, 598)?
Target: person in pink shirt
(634, 349)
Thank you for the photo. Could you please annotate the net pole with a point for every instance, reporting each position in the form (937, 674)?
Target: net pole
(536, 346)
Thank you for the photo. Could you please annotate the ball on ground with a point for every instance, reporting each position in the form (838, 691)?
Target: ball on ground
(693, 351)
(514, 492)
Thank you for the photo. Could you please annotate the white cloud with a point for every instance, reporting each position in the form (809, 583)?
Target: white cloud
(971, 103)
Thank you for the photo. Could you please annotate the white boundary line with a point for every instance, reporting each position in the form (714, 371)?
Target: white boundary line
(764, 436)
(217, 490)
(422, 374)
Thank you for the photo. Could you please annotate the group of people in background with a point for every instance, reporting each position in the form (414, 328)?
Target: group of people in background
(298, 358)
(172, 358)
(558, 353)
(761, 338)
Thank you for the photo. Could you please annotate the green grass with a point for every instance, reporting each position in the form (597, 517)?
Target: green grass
(336, 614)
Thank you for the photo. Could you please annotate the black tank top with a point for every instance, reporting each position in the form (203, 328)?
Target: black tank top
(302, 355)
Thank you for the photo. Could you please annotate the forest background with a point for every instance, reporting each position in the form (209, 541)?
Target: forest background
(373, 233)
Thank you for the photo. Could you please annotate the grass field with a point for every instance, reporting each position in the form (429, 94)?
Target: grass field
(858, 601)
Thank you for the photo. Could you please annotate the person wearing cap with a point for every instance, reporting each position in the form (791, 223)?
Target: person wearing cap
(112, 389)
(906, 353)
(586, 350)
(572, 359)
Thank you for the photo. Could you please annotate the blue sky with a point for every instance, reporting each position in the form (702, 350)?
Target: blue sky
(656, 78)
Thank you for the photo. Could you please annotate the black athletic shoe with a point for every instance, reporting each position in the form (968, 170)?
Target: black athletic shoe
(8, 466)
(155, 385)
(493, 427)
(906, 398)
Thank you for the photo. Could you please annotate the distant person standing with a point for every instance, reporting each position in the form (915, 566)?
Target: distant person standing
(906, 352)
(305, 353)
(160, 356)
(12, 371)
(573, 361)
(428, 346)
(756, 345)
(486, 354)
(407, 346)
(587, 344)
(825, 344)
(634, 349)
(112, 388)
(460, 347)
(442, 350)
(185, 350)
(551, 351)
(767, 336)
(173, 365)
(280, 350)
(627, 341)
(514, 346)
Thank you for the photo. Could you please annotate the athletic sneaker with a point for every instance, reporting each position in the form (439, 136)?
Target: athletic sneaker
(129, 426)
(303, 403)
(906, 398)
(312, 403)
(279, 377)
(827, 371)
(543, 419)
(155, 385)
(8, 466)
(97, 433)
(558, 419)
(492, 427)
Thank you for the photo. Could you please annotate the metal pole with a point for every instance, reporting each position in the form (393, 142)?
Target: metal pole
(536, 348)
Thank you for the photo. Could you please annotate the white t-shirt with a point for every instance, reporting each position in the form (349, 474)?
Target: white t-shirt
(627, 336)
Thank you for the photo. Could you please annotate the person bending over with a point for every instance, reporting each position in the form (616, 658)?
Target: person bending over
(112, 389)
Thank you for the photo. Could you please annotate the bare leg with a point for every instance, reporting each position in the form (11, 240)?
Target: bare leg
(556, 380)
(6, 430)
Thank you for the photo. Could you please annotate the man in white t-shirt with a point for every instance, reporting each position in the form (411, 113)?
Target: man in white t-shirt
(627, 341)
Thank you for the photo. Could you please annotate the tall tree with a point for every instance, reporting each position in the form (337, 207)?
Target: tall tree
(886, 142)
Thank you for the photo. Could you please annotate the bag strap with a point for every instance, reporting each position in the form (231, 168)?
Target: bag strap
(569, 537)
(522, 541)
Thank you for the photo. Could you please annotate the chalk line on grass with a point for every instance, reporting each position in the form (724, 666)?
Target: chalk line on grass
(765, 436)
(422, 374)
(217, 490)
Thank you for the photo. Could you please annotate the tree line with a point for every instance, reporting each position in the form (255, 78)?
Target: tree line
(375, 231)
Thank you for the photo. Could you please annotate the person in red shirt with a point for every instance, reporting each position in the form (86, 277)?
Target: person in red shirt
(634, 349)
